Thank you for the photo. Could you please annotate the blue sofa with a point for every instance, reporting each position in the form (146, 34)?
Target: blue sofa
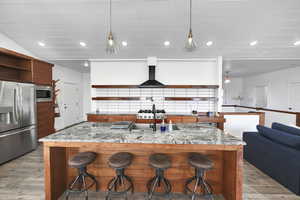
(276, 152)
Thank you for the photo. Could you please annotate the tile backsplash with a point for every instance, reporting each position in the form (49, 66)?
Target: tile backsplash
(158, 95)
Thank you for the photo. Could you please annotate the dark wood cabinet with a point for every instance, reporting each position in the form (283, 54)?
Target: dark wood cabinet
(15, 67)
(110, 118)
(42, 72)
(45, 119)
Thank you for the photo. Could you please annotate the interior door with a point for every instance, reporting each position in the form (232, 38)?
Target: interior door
(9, 112)
(294, 97)
(71, 104)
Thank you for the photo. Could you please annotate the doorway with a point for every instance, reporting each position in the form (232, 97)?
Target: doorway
(71, 105)
(294, 97)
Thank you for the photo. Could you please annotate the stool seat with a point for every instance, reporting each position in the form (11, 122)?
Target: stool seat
(120, 160)
(198, 160)
(160, 160)
(82, 159)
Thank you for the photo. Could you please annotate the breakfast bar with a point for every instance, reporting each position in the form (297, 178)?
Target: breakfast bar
(224, 150)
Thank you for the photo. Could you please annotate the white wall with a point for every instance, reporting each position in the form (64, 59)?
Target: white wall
(169, 72)
(232, 91)
(86, 94)
(69, 76)
(277, 83)
(7, 43)
(237, 124)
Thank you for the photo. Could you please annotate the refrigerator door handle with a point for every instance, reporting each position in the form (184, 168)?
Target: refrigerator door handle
(17, 132)
(20, 108)
(16, 113)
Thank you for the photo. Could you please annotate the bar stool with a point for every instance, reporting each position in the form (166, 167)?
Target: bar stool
(201, 163)
(160, 162)
(117, 185)
(80, 161)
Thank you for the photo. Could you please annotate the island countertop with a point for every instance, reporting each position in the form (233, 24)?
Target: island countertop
(102, 133)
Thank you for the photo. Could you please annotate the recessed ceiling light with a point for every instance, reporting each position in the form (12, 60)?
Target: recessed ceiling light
(167, 43)
(42, 44)
(83, 44)
(297, 43)
(253, 43)
(209, 43)
(124, 43)
(86, 64)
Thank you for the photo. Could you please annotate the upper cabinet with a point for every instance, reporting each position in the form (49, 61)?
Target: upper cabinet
(21, 68)
(42, 72)
(15, 66)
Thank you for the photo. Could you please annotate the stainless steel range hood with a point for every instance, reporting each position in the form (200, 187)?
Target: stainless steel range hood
(152, 83)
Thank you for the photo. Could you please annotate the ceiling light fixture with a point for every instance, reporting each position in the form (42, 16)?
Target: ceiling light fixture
(253, 43)
(42, 44)
(124, 43)
(86, 64)
(209, 43)
(111, 46)
(297, 43)
(190, 44)
(167, 43)
(83, 44)
(226, 78)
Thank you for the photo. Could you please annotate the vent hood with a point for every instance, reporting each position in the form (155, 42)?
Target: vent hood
(151, 83)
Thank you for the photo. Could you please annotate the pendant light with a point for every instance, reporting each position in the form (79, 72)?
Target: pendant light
(111, 46)
(190, 43)
(226, 78)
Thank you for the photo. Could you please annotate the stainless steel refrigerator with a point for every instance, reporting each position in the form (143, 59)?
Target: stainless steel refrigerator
(17, 120)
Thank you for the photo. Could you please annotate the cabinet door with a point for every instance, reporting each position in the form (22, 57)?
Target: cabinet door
(45, 119)
(42, 73)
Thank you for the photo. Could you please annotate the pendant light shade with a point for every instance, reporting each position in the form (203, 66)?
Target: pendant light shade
(227, 78)
(190, 43)
(111, 46)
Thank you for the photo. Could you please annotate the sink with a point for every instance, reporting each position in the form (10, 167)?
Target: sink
(139, 126)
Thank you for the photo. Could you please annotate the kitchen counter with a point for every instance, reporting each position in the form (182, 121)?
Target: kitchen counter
(174, 117)
(134, 113)
(224, 150)
(101, 132)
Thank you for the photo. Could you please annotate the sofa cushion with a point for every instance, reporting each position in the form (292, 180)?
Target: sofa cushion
(280, 137)
(285, 128)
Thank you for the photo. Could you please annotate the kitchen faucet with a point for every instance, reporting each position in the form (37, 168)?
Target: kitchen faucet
(154, 115)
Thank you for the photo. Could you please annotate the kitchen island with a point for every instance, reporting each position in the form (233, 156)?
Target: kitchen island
(225, 150)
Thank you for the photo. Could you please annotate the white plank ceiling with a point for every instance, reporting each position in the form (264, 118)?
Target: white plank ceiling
(146, 24)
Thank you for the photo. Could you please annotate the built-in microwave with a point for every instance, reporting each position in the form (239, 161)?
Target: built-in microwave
(43, 93)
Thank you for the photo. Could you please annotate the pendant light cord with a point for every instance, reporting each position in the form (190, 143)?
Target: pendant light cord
(190, 14)
(110, 25)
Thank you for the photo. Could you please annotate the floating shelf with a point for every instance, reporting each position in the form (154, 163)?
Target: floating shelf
(116, 98)
(166, 98)
(191, 98)
(166, 86)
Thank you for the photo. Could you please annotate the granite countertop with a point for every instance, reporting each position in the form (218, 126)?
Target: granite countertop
(102, 133)
(135, 113)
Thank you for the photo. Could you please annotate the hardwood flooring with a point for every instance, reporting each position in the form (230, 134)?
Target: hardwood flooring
(22, 179)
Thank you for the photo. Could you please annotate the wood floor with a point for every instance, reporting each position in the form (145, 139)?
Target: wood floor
(22, 179)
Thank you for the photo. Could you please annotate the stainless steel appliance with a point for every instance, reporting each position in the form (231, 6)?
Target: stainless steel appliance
(17, 120)
(43, 93)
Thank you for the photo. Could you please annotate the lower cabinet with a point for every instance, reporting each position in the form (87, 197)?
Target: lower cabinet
(110, 118)
(45, 119)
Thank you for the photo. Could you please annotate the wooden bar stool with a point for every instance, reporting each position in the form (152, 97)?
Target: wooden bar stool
(201, 163)
(80, 161)
(160, 162)
(120, 184)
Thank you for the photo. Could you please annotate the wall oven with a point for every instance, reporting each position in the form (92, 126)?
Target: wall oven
(43, 93)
